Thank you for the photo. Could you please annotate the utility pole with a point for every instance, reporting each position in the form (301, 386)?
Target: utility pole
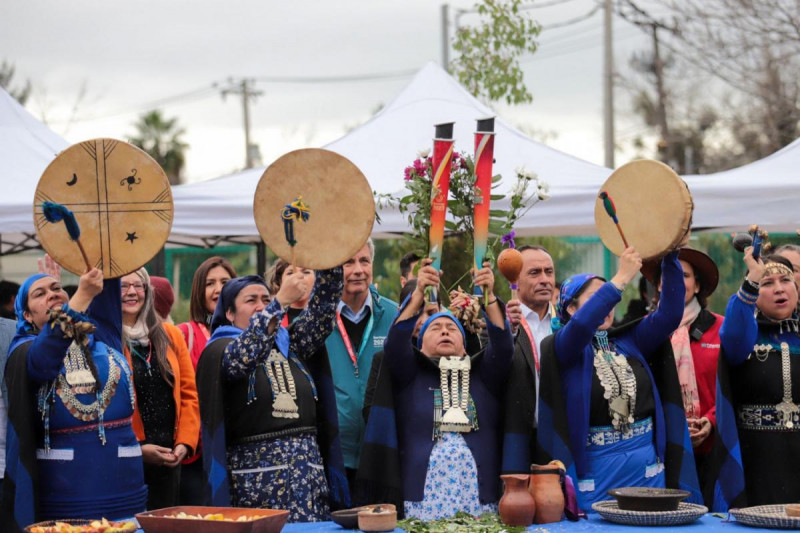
(446, 37)
(658, 70)
(608, 85)
(245, 88)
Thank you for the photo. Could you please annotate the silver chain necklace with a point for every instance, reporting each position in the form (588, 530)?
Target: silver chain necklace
(281, 381)
(454, 375)
(619, 385)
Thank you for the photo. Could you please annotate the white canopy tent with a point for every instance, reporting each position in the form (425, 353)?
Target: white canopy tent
(27, 146)
(766, 192)
(389, 142)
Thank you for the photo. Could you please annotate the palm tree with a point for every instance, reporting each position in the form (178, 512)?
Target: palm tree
(161, 138)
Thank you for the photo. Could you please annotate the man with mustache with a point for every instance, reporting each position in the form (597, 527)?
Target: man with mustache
(530, 319)
(363, 318)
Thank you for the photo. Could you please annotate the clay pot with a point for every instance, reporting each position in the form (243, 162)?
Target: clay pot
(517, 506)
(545, 487)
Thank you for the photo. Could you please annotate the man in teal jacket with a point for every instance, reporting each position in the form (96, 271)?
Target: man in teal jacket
(363, 319)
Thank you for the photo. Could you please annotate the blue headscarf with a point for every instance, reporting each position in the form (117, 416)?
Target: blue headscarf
(228, 295)
(442, 314)
(25, 330)
(569, 289)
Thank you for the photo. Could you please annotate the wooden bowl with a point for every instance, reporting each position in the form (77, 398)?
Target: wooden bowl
(347, 518)
(162, 521)
(377, 518)
(648, 498)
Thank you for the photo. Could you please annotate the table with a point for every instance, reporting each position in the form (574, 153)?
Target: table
(707, 523)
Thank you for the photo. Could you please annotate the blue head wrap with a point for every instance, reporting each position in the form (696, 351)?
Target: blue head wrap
(228, 295)
(569, 289)
(442, 314)
(21, 302)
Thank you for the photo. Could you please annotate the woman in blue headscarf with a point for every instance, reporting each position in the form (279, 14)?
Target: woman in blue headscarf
(72, 452)
(446, 404)
(626, 423)
(267, 400)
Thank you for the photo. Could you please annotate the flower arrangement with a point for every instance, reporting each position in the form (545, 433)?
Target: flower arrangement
(416, 203)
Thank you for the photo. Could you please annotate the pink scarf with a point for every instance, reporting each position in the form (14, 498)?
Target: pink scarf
(683, 359)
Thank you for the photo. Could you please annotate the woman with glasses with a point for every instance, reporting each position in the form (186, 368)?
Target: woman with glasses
(167, 416)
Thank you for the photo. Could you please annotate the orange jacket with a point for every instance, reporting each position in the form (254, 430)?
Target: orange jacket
(187, 406)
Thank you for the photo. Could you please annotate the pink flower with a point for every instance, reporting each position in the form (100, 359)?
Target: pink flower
(419, 166)
(407, 174)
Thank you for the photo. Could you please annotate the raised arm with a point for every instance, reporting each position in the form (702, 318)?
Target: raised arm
(586, 318)
(46, 354)
(739, 329)
(655, 329)
(579, 331)
(309, 331)
(398, 350)
(254, 345)
(497, 359)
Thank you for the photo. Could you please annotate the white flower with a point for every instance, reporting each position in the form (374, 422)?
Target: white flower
(519, 188)
(531, 175)
(543, 195)
(519, 171)
(422, 154)
(544, 186)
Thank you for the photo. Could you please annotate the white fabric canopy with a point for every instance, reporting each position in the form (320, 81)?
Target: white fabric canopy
(26, 148)
(389, 142)
(765, 192)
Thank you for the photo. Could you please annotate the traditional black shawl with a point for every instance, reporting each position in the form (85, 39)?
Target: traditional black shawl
(725, 488)
(20, 501)
(210, 387)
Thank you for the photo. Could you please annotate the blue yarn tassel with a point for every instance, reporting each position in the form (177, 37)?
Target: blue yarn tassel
(54, 212)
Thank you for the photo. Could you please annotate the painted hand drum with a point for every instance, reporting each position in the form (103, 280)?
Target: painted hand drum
(314, 208)
(121, 199)
(654, 209)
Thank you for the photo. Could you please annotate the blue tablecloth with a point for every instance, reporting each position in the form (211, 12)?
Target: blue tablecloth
(594, 523)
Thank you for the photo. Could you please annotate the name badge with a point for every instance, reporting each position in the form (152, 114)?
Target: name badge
(377, 341)
(586, 485)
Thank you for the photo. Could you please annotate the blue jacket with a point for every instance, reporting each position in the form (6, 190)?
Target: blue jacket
(350, 388)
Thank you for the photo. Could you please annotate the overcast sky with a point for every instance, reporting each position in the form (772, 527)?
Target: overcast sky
(129, 55)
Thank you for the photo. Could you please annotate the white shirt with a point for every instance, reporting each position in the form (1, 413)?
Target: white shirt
(540, 328)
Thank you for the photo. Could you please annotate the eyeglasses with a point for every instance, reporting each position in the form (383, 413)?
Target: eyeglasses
(138, 287)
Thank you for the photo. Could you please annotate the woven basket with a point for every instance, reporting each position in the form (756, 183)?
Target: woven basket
(769, 516)
(685, 514)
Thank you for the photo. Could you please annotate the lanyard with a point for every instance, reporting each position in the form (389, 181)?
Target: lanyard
(285, 320)
(348, 345)
(528, 332)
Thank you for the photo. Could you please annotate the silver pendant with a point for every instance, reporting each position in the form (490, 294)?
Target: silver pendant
(285, 407)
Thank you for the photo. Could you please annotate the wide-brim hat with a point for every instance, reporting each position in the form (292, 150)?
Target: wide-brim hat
(704, 267)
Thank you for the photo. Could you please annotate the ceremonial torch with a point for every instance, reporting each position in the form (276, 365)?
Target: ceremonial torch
(442, 158)
(484, 157)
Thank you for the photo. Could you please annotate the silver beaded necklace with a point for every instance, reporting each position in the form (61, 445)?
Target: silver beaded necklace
(618, 381)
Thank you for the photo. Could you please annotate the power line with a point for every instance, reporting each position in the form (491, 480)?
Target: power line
(185, 97)
(570, 22)
(336, 79)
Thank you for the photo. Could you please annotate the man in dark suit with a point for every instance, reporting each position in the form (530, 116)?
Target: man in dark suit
(530, 318)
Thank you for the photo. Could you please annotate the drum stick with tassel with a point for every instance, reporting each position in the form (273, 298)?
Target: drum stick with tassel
(442, 158)
(484, 157)
(54, 213)
(611, 209)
